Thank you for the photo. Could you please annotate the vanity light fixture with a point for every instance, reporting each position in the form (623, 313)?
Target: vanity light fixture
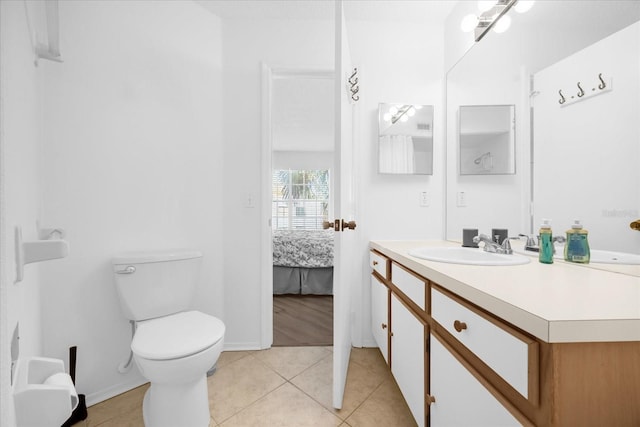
(491, 15)
(399, 113)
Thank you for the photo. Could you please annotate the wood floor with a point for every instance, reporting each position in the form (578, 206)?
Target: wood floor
(302, 320)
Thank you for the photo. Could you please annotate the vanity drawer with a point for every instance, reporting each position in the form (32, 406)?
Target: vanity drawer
(379, 263)
(511, 354)
(409, 283)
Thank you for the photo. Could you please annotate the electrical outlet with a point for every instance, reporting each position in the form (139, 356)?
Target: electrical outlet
(461, 200)
(424, 198)
(249, 201)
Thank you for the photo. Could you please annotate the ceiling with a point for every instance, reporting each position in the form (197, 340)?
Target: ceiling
(426, 11)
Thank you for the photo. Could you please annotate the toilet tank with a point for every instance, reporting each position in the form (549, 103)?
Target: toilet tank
(156, 283)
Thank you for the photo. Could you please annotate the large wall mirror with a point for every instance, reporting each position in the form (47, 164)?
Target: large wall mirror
(577, 143)
(405, 140)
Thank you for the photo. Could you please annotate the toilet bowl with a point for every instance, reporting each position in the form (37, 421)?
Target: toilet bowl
(174, 346)
(174, 353)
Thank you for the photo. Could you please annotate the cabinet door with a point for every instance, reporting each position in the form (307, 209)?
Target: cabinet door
(408, 357)
(459, 398)
(380, 316)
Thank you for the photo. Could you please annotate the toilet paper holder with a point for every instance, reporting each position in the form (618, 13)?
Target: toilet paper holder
(43, 394)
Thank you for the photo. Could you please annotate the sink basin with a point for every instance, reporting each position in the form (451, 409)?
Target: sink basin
(469, 256)
(605, 257)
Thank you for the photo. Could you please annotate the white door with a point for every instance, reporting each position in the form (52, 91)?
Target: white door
(344, 210)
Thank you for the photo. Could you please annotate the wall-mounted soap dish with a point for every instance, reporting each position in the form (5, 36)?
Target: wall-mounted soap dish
(36, 251)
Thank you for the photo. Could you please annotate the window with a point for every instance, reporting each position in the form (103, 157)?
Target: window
(300, 199)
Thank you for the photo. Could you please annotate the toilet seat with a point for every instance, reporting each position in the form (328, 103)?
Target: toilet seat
(177, 335)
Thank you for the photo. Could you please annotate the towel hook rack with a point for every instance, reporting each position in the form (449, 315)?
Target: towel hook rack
(581, 92)
(354, 88)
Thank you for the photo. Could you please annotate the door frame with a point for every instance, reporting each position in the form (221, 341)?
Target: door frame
(270, 73)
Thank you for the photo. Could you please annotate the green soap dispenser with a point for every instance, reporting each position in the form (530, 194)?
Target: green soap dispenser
(545, 242)
(576, 248)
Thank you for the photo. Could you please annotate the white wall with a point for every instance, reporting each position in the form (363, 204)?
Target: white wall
(302, 160)
(397, 62)
(289, 44)
(132, 159)
(587, 157)
(20, 128)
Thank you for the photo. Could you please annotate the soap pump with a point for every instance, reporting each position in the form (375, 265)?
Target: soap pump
(577, 247)
(545, 254)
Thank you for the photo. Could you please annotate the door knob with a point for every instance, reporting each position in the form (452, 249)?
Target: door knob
(339, 225)
(351, 225)
(335, 225)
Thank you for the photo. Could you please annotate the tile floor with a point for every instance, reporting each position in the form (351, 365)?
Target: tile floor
(282, 386)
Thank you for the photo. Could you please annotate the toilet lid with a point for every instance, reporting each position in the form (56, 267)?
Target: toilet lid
(177, 335)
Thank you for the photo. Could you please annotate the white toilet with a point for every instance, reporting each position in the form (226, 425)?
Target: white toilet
(173, 346)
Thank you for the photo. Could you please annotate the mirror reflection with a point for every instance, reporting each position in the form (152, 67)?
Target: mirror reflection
(576, 160)
(405, 142)
(487, 139)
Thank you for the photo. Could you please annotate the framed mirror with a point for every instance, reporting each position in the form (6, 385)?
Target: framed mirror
(405, 139)
(487, 139)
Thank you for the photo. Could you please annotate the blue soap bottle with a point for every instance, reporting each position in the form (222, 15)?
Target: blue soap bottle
(545, 239)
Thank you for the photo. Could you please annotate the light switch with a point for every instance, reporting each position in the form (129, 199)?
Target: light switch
(424, 198)
(461, 199)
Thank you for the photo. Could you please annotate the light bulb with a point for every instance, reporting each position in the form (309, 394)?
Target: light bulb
(523, 5)
(485, 5)
(393, 110)
(404, 118)
(468, 23)
(386, 117)
(503, 24)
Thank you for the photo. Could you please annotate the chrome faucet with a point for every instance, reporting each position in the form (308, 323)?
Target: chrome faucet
(491, 246)
(557, 239)
(531, 244)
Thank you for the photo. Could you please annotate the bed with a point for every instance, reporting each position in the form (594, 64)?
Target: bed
(303, 262)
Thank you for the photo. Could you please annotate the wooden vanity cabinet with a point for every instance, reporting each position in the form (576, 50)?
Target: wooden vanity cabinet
(400, 329)
(434, 379)
(460, 365)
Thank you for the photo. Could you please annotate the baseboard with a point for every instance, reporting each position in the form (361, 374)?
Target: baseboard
(369, 343)
(115, 390)
(241, 346)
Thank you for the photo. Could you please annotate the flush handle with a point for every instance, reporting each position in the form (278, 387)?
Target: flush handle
(130, 269)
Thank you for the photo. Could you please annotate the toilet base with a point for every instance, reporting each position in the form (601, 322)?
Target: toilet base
(170, 405)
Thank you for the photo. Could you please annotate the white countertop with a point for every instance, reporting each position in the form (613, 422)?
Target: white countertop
(556, 303)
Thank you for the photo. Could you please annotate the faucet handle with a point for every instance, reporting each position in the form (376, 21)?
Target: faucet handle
(506, 245)
(531, 241)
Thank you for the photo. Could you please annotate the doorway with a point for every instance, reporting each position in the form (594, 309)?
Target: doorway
(301, 130)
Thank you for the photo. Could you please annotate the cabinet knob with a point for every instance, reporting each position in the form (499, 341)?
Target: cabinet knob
(459, 326)
(383, 326)
(375, 262)
(430, 399)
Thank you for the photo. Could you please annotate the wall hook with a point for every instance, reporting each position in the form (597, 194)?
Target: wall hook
(354, 88)
(581, 93)
(602, 84)
(562, 98)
